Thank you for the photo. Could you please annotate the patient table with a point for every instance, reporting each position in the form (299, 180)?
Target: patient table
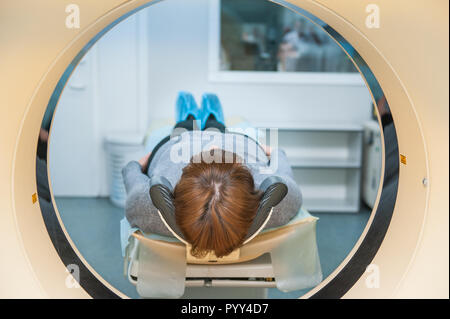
(285, 257)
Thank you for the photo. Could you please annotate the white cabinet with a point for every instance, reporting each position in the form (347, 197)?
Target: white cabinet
(371, 171)
(326, 161)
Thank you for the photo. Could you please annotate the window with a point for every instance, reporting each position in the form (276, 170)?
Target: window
(261, 41)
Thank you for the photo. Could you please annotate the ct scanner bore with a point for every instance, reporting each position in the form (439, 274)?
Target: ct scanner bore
(354, 268)
(400, 252)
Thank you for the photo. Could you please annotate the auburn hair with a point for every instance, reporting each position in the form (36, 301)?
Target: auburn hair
(215, 202)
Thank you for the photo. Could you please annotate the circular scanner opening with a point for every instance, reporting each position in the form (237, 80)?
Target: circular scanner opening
(273, 70)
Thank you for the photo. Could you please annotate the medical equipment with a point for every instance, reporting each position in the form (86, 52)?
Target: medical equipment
(285, 257)
(410, 215)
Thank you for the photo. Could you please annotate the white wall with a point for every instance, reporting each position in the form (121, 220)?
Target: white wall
(178, 59)
(112, 97)
(133, 75)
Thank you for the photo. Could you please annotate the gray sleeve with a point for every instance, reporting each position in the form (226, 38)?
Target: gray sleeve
(139, 209)
(292, 202)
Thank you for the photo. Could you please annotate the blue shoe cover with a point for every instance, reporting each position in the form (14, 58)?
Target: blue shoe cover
(186, 106)
(211, 106)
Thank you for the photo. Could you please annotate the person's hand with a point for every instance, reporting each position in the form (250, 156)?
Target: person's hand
(144, 161)
(267, 149)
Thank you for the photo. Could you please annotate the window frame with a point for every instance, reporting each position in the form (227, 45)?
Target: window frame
(216, 75)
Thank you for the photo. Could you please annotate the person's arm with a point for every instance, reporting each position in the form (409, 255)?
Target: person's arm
(139, 209)
(292, 202)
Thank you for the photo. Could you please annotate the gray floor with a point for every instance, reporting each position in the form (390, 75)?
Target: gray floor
(93, 225)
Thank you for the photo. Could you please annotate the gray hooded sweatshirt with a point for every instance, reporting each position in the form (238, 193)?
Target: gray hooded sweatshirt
(173, 156)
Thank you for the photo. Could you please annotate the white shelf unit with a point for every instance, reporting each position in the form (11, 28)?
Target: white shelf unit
(326, 161)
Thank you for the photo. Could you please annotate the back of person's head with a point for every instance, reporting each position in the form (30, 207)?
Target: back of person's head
(215, 202)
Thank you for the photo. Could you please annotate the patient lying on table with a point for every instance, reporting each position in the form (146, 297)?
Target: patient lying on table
(216, 175)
